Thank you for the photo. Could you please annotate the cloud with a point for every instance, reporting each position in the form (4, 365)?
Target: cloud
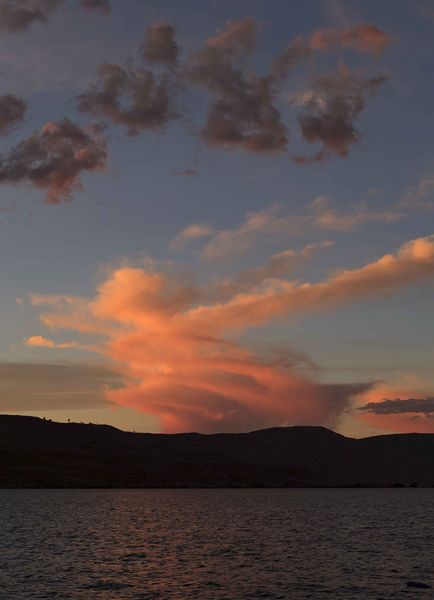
(54, 158)
(55, 386)
(413, 262)
(180, 349)
(160, 44)
(12, 111)
(140, 99)
(101, 5)
(277, 266)
(419, 197)
(227, 242)
(185, 172)
(326, 217)
(330, 110)
(43, 342)
(18, 15)
(405, 408)
(244, 109)
(399, 406)
(196, 231)
(137, 99)
(242, 113)
(296, 52)
(363, 38)
(272, 222)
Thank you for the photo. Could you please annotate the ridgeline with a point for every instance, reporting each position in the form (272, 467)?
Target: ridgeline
(38, 453)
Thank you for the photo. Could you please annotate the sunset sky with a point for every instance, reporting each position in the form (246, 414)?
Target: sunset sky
(218, 215)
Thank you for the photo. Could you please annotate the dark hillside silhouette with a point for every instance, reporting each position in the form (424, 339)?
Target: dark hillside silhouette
(37, 453)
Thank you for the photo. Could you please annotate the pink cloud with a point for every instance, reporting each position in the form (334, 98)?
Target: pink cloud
(363, 38)
(181, 355)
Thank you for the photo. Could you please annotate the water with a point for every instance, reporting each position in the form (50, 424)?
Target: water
(145, 544)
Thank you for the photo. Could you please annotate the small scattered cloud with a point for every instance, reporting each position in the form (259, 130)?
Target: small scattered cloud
(54, 158)
(363, 38)
(100, 5)
(160, 45)
(17, 16)
(330, 111)
(244, 107)
(12, 111)
(196, 231)
(43, 342)
(137, 99)
(398, 406)
(140, 99)
(242, 113)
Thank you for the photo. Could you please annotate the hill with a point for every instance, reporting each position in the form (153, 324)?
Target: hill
(38, 453)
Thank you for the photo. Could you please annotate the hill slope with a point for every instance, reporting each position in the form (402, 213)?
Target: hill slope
(39, 453)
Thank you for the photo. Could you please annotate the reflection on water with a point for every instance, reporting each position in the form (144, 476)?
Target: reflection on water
(141, 544)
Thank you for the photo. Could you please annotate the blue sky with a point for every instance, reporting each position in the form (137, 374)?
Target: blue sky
(130, 211)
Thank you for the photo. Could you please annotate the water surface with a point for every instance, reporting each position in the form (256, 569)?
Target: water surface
(145, 544)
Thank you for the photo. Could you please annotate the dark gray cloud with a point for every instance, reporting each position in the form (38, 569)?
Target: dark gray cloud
(12, 111)
(101, 5)
(399, 406)
(296, 52)
(242, 112)
(137, 99)
(330, 111)
(242, 109)
(18, 15)
(53, 159)
(160, 45)
(50, 386)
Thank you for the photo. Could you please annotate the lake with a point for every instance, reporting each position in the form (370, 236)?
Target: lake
(145, 544)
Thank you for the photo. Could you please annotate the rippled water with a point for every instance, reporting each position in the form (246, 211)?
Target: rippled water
(139, 544)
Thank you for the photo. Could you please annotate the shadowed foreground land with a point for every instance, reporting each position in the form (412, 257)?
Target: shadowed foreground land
(36, 453)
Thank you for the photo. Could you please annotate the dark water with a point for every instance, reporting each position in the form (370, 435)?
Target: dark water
(216, 544)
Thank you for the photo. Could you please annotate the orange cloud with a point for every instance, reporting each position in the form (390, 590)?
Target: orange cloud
(42, 342)
(191, 375)
(363, 38)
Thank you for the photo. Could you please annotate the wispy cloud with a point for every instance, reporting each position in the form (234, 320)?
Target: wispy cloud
(274, 222)
(399, 406)
(196, 231)
(55, 386)
(327, 217)
(363, 38)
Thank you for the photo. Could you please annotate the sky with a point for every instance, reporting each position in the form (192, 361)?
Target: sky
(218, 215)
